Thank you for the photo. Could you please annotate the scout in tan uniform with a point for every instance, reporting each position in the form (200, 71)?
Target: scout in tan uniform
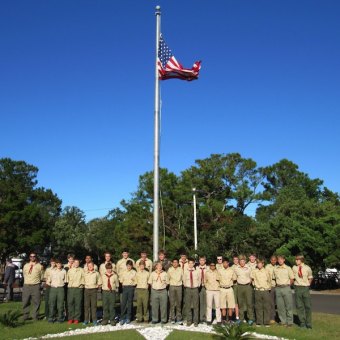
(75, 279)
(175, 277)
(191, 282)
(70, 261)
(183, 262)
(128, 280)
(202, 269)
(57, 280)
(284, 279)
(252, 262)
(244, 290)
(227, 299)
(121, 264)
(270, 267)
(147, 262)
(33, 275)
(303, 277)
(235, 264)
(88, 259)
(108, 259)
(159, 297)
(142, 290)
(262, 281)
(110, 285)
(212, 286)
(163, 260)
(219, 262)
(93, 281)
(48, 287)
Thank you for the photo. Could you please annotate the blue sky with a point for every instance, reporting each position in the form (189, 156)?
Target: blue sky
(77, 89)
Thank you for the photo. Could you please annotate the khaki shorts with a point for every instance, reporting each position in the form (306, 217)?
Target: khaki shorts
(227, 298)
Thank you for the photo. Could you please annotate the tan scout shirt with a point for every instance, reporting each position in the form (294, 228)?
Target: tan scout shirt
(102, 269)
(252, 265)
(283, 274)
(113, 277)
(306, 275)
(142, 278)
(219, 266)
(48, 273)
(195, 278)
(128, 277)
(75, 277)
(92, 279)
(184, 265)
(57, 278)
(271, 268)
(36, 275)
(262, 279)
(95, 267)
(121, 265)
(242, 275)
(211, 280)
(202, 270)
(148, 265)
(226, 277)
(158, 281)
(175, 276)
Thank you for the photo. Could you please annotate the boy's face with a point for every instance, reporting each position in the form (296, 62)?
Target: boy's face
(202, 261)
(128, 267)
(53, 264)
(88, 259)
(141, 267)
(70, 260)
(273, 261)
(260, 265)
(59, 265)
(107, 257)
(125, 254)
(143, 256)
(33, 257)
(161, 256)
(212, 267)
(109, 270)
(191, 264)
(158, 267)
(90, 266)
(76, 264)
(183, 258)
(252, 258)
(242, 263)
(235, 260)
(281, 260)
(225, 264)
(298, 262)
(219, 259)
(175, 263)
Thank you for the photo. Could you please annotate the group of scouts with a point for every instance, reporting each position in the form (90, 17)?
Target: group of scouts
(241, 291)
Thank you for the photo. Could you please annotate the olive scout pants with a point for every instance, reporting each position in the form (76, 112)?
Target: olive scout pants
(175, 299)
(262, 307)
(56, 303)
(284, 301)
(74, 303)
(192, 304)
(31, 293)
(109, 305)
(245, 301)
(90, 304)
(303, 305)
(159, 301)
(203, 304)
(142, 304)
(47, 306)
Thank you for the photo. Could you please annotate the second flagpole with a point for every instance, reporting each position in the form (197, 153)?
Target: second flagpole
(156, 145)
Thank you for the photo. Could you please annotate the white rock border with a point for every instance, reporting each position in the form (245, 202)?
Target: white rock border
(148, 332)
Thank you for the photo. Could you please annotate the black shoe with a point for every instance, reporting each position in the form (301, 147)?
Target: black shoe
(209, 323)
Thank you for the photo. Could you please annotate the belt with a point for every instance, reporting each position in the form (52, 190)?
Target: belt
(244, 284)
(191, 287)
(225, 287)
(262, 289)
(158, 290)
(282, 286)
(31, 284)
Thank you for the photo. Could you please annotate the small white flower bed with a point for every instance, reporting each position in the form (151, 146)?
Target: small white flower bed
(148, 332)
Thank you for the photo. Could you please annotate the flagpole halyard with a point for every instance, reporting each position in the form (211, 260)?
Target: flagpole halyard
(156, 144)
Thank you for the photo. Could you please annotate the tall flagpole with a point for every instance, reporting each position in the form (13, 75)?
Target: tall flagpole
(156, 150)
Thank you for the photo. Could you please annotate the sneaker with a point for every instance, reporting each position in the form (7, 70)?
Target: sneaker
(195, 324)
(95, 323)
(85, 323)
(189, 324)
(209, 323)
(179, 322)
(69, 322)
(122, 322)
(104, 322)
(154, 322)
(173, 322)
(219, 323)
(238, 321)
(250, 322)
(113, 323)
(75, 322)
(127, 321)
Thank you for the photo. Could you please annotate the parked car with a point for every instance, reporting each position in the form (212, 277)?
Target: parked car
(18, 272)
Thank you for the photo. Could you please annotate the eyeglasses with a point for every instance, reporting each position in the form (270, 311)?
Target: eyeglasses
(219, 259)
(32, 256)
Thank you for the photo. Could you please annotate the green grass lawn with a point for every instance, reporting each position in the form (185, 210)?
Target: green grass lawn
(325, 326)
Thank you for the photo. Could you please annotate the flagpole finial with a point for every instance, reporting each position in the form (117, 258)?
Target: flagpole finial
(158, 10)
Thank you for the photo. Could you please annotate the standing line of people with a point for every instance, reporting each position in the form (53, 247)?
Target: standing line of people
(238, 292)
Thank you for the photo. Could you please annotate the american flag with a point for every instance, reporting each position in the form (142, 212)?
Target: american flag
(169, 67)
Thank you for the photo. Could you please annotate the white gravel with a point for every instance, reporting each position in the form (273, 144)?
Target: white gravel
(148, 332)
